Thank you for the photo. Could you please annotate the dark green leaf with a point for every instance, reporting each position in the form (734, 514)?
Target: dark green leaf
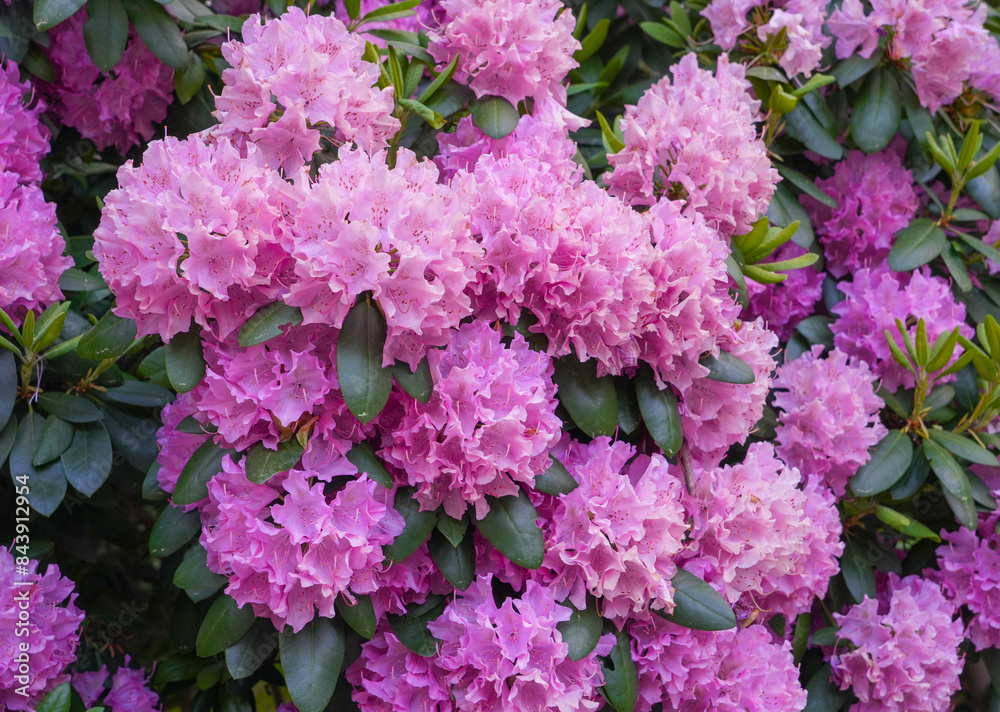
(75, 280)
(916, 475)
(858, 574)
(185, 361)
(75, 409)
(697, 605)
(363, 457)
(556, 480)
(591, 401)
(877, 110)
(621, 678)
(825, 637)
(266, 323)
(496, 116)
(38, 64)
(132, 437)
(154, 367)
(727, 368)
(889, 461)
(659, 411)
(360, 615)
(177, 668)
(7, 435)
(419, 383)
(419, 525)
(805, 184)
(800, 637)
(16, 30)
(453, 529)
(802, 125)
(224, 624)
(456, 563)
(87, 461)
(109, 337)
(56, 437)
(917, 244)
(58, 700)
(106, 34)
(173, 529)
(991, 658)
(194, 576)
(816, 330)
(855, 67)
(823, 695)
(964, 447)
(159, 32)
(784, 209)
(311, 660)
(510, 527)
(244, 657)
(203, 465)
(583, 630)
(49, 13)
(145, 395)
(629, 416)
(985, 190)
(263, 463)
(48, 483)
(8, 386)
(364, 382)
(954, 481)
(411, 628)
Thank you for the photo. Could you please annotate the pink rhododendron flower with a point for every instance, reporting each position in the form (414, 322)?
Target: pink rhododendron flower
(176, 447)
(617, 534)
(830, 416)
(736, 670)
(487, 427)
(115, 108)
(511, 48)
(51, 634)
(906, 648)
(128, 689)
(785, 304)
(24, 140)
(693, 138)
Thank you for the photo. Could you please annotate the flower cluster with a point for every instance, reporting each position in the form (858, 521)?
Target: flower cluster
(693, 138)
(830, 416)
(24, 140)
(905, 654)
(118, 107)
(127, 691)
(39, 631)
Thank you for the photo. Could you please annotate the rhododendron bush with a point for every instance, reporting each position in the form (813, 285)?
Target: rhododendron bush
(488, 355)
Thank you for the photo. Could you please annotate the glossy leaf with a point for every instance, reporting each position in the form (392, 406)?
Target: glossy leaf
(48, 483)
(697, 605)
(456, 563)
(659, 412)
(964, 447)
(411, 628)
(419, 383)
(419, 525)
(360, 615)
(262, 463)
(363, 457)
(889, 461)
(194, 576)
(592, 402)
(954, 481)
(364, 382)
(917, 244)
(172, 530)
(87, 461)
(453, 529)
(582, 632)
(876, 112)
(49, 13)
(138, 393)
(203, 465)
(859, 576)
(802, 125)
(822, 695)
(621, 678)
(106, 33)
(185, 360)
(902, 523)
(494, 115)
(727, 368)
(109, 337)
(556, 480)
(224, 624)
(159, 32)
(246, 655)
(510, 527)
(266, 323)
(8, 386)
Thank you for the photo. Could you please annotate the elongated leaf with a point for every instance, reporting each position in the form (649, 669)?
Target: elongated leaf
(224, 624)
(363, 457)
(203, 465)
(556, 480)
(418, 527)
(917, 244)
(411, 628)
(954, 481)
(727, 368)
(661, 33)
(185, 360)
(172, 530)
(360, 615)
(902, 523)
(59, 699)
(311, 660)
(805, 184)
(456, 563)
(49, 13)
(877, 111)
(263, 463)
(419, 383)
(8, 386)
(964, 447)
(621, 678)
(56, 437)
(855, 67)
(106, 34)
(131, 437)
(48, 483)
(390, 11)
(858, 573)
(592, 402)
(266, 323)
(244, 657)
(16, 30)
(913, 480)
(823, 695)
(889, 461)
(87, 461)
(7, 435)
(494, 115)
(194, 576)
(364, 382)
(510, 527)
(659, 412)
(159, 32)
(109, 337)
(802, 125)
(453, 529)
(697, 605)
(582, 632)
(147, 395)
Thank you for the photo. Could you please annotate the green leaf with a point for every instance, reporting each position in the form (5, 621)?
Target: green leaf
(621, 678)
(456, 563)
(58, 700)
(591, 401)
(440, 80)
(556, 480)
(424, 112)
(360, 615)
(822, 695)
(246, 655)
(263, 463)
(363, 457)
(75, 409)
(661, 33)
(419, 525)
(981, 247)
(913, 480)
(510, 527)
(494, 115)
(629, 415)
(49, 13)
(106, 34)
(803, 126)
(858, 573)
(800, 636)
(964, 447)
(8, 386)
(311, 660)
(727, 368)
(816, 330)
(453, 529)
(364, 382)
(902, 523)
(49, 326)
(185, 361)
(56, 437)
(985, 190)
(854, 68)
(38, 64)
(16, 30)
(48, 483)
(391, 11)
(224, 624)
(109, 337)
(876, 112)
(955, 483)
(144, 395)
(194, 576)
(203, 465)
(917, 244)
(159, 32)
(889, 461)
(87, 461)
(697, 605)
(419, 383)
(266, 323)
(805, 184)
(172, 530)
(7, 435)
(582, 632)
(189, 80)
(593, 41)
(659, 412)
(411, 628)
